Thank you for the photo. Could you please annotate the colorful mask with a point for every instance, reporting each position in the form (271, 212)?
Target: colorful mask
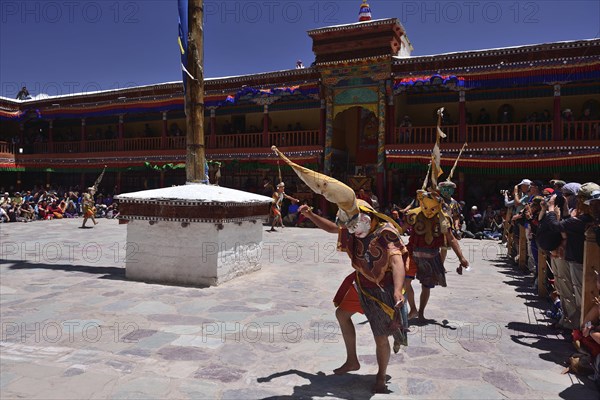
(360, 226)
(430, 204)
(446, 191)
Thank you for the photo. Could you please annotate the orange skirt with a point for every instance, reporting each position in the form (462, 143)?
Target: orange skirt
(351, 303)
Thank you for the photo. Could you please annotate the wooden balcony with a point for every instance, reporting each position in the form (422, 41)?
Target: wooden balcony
(237, 141)
(7, 149)
(294, 138)
(493, 135)
(523, 133)
(234, 141)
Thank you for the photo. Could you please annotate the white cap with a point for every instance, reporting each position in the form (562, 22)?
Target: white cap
(594, 197)
(525, 182)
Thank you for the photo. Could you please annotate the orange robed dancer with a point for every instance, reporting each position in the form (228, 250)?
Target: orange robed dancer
(372, 242)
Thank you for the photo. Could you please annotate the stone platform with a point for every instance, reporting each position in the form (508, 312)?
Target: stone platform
(193, 234)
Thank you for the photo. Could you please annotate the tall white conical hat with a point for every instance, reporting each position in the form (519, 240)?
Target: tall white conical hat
(330, 188)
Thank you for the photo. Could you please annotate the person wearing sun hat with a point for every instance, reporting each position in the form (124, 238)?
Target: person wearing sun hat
(594, 206)
(573, 230)
(372, 241)
(569, 192)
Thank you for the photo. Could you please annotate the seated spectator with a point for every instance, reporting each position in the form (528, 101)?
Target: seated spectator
(26, 212)
(567, 115)
(405, 129)
(474, 224)
(4, 215)
(23, 94)
(304, 222)
(292, 216)
(70, 210)
(484, 117)
(112, 211)
(110, 134)
(364, 196)
(148, 132)
(42, 210)
(447, 118)
(505, 115)
(55, 209)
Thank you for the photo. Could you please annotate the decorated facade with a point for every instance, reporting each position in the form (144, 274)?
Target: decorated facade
(363, 112)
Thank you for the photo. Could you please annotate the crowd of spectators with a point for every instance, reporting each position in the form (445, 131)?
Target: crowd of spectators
(41, 204)
(555, 218)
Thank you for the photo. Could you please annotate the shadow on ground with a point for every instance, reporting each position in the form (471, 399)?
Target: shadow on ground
(104, 272)
(348, 386)
(540, 333)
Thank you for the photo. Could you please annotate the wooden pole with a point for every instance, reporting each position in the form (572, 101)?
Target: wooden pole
(591, 267)
(522, 248)
(194, 94)
(542, 291)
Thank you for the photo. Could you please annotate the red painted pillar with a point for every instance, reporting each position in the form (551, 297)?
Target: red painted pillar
(50, 136)
(163, 136)
(265, 133)
(213, 128)
(121, 133)
(557, 123)
(322, 121)
(83, 136)
(462, 117)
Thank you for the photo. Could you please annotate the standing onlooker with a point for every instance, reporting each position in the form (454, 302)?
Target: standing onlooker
(571, 278)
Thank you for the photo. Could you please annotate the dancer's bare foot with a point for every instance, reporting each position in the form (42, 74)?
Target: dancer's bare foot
(379, 386)
(422, 317)
(347, 367)
(413, 314)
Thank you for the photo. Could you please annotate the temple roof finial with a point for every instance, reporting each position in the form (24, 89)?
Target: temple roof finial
(364, 14)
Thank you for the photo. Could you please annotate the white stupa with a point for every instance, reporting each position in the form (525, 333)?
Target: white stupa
(194, 234)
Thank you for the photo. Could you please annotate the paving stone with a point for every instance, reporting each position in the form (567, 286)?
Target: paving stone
(137, 335)
(220, 373)
(505, 381)
(420, 387)
(135, 351)
(179, 319)
(73, 371)
(183, 353)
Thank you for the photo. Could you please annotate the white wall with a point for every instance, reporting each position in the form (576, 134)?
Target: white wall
(199, 254)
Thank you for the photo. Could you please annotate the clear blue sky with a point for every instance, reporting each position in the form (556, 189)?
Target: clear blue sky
(67, 46)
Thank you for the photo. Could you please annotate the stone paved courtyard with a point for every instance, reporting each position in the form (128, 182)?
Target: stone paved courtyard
(73, 327)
